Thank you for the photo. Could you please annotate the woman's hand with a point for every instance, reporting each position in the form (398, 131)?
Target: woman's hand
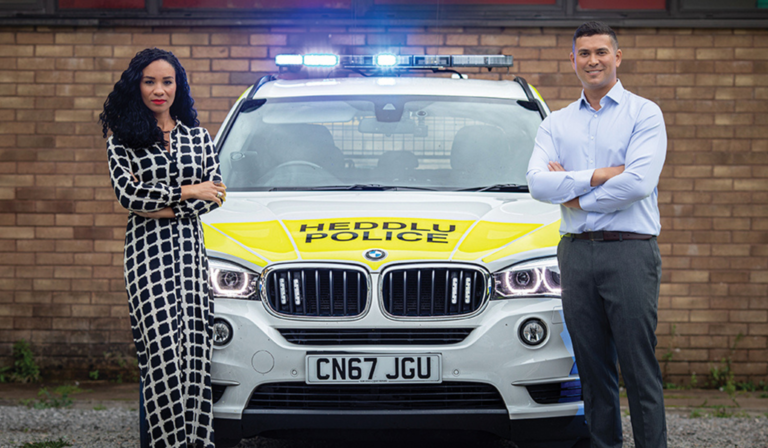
(206, 191)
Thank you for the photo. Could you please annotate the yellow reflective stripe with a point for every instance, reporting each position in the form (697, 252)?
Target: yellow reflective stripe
(488, 237)
(547, 236)
(536, 92)
(242, 95)
(215, 240)
(267, 238)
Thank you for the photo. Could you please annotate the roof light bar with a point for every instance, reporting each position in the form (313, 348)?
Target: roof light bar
(289, 59)
(321, 60)
(481, 61)
(387, 61)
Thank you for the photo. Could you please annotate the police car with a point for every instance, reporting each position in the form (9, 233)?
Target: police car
(380, 264)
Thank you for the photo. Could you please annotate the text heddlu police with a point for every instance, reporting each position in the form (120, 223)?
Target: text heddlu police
(378, 231)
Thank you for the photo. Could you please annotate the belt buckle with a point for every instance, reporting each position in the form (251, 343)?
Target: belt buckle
(596, 236)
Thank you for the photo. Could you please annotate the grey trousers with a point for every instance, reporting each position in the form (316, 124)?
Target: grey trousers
(610, 303)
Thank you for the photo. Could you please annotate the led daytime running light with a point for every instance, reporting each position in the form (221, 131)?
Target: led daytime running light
(224, 290)
(231, 281)
(531, 279)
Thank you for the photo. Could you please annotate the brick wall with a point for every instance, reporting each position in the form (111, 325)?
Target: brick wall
(61, 230)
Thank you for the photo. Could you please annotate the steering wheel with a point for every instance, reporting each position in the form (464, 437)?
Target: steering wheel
(297, 163)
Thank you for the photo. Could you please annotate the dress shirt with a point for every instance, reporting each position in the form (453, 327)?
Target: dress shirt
(627, 130)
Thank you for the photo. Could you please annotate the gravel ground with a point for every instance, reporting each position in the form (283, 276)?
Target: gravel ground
(118, 427)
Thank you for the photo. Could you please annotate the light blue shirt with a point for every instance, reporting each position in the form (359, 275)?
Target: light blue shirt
(627, 130)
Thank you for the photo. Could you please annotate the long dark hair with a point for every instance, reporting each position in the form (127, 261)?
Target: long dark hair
(131, 122)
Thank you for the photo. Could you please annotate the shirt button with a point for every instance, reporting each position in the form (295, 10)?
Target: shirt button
(592, 137)
(595, 115)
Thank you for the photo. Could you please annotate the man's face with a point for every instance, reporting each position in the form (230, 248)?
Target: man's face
(595, 61)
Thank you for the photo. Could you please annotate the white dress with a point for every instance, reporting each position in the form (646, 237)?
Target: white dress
(166, 276)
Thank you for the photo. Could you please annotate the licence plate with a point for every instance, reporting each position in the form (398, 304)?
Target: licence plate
(409, 368)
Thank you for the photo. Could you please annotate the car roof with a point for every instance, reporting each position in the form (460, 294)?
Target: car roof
(391, 86)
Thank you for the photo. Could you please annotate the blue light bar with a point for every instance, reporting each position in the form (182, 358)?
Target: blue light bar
(386, 60)
(321, 60)
(496, 60)
(289, 59)
(391, 62)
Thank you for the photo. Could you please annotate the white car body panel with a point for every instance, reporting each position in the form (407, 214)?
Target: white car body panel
(493, 352)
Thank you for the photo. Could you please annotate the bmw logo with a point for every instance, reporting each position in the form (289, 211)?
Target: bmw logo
(375, 254)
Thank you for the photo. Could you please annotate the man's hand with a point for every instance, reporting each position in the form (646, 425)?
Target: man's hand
(555, 166)
(601, 175)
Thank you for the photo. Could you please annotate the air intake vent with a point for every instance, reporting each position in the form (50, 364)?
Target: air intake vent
(552, 393)
(385, 336)
(410, 397)
(317, 292)
(217, 391)
(433, 291)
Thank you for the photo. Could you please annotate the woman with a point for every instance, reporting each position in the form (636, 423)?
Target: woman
(165, 171)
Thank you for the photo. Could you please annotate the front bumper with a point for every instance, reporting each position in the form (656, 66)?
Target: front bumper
(423, 424)
(492, 355)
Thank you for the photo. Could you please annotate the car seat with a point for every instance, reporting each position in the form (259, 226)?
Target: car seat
(480, 154)
(306, 142)
(396, 165)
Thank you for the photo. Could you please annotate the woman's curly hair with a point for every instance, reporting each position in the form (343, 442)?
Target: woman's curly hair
(132, 124)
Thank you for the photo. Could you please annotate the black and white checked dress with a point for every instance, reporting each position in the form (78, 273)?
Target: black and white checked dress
(166, 276)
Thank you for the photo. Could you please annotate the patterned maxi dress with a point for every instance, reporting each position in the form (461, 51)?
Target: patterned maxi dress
(166, 276)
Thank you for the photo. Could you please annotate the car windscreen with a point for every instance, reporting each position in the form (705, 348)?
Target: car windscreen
(386, 142)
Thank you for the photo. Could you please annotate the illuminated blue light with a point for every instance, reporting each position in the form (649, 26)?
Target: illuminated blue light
(321, 60)
(289, 59)
(386, 60)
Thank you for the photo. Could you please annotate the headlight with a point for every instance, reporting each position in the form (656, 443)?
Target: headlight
(232, 281)
(538, 278)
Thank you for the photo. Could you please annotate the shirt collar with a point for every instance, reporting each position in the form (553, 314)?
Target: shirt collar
(181, 127)
(615, 94)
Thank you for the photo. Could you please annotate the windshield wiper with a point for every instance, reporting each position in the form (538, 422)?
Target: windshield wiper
(516, 188)
(353, 187)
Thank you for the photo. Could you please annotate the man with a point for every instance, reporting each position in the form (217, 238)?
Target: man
(600, 158)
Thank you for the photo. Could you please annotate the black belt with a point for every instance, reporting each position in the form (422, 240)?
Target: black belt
(606, 235)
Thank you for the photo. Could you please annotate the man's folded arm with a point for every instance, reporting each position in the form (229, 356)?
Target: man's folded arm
(644, 161)
(554, 187)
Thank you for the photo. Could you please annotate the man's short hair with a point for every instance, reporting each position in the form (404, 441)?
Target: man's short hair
(593, 28)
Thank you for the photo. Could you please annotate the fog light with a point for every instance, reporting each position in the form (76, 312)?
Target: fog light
(533, 332)
(222, 332)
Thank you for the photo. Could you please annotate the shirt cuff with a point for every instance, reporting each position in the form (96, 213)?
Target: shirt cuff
(588, 202)
(180, 210)
(175, 195)
(582, 182)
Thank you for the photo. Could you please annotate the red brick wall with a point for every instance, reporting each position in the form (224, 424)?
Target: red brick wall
(61, 230)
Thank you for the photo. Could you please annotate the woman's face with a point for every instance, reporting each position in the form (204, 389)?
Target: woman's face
(158, 87)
